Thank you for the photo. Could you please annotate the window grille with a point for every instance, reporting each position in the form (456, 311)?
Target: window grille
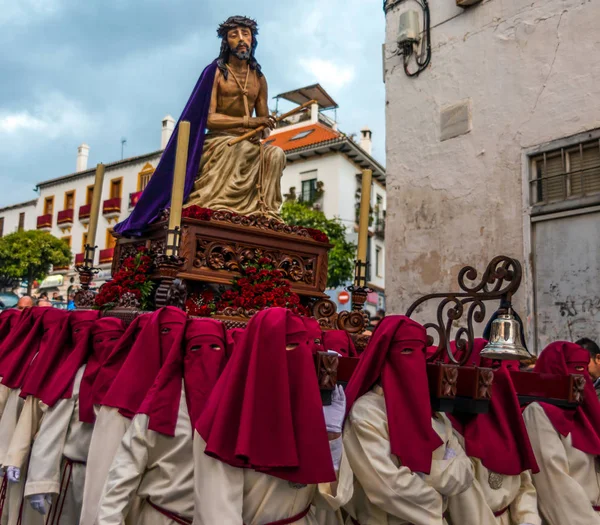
(566, 173)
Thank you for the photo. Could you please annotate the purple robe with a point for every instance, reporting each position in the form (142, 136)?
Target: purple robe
(157, 195)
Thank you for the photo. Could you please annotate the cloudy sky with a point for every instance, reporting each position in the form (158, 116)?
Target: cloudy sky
(95, 71)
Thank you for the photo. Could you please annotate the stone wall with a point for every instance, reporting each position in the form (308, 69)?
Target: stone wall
(508, 75)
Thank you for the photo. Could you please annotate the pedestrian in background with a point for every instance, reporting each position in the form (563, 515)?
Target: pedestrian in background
(594, 366)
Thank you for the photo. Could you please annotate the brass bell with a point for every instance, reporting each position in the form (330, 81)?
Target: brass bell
(505, 339)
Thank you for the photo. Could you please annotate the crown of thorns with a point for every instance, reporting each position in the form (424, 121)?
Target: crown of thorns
(236, 21)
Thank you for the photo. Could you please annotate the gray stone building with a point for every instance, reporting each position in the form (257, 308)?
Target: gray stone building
(494, 148)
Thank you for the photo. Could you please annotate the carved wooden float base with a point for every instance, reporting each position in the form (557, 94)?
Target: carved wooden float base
(213, 251)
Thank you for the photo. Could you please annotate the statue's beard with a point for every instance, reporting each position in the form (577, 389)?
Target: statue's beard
(241, 54)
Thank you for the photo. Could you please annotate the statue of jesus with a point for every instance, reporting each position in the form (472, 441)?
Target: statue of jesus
(228, 101)
(243, 178)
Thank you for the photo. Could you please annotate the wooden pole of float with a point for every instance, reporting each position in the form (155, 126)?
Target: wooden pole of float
(363, 226)
(181, 157)
(94, 215)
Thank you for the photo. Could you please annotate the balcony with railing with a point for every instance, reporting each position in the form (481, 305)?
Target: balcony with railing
(84, 213)
(65, 219)
(379, 226)
(44, 222)
(111, 207)
(134, 198)
(79, 257)
(106, 256)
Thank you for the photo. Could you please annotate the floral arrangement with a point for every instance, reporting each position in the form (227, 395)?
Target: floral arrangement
(205, 214)
(202, 304)
(317, 235)
(131, 280)
(196, 212)
(259, 286)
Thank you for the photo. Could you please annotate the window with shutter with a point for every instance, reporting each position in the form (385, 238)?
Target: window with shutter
(566, 173)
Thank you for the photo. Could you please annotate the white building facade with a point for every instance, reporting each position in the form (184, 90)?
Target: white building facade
(494, 149)
(63, 209)
(18, 217)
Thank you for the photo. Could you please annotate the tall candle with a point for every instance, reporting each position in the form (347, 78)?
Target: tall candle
(181, 155)
(363, 223)
(95, 209)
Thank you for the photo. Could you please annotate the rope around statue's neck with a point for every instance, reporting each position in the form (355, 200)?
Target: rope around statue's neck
(244, 89)
(261, 165)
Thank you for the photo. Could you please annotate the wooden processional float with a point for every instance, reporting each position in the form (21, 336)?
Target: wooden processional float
(200, 250)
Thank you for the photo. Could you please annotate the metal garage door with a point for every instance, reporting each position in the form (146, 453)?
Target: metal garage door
(567, 278)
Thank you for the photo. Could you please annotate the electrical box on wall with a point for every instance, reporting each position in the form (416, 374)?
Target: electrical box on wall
(409, 28)
(467, 3)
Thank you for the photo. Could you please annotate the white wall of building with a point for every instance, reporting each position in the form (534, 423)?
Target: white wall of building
(11, 215)
(529, 75)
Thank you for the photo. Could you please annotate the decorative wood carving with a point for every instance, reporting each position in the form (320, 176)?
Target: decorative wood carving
(127, 315)
(442, 380)
(177, 294)
(325, 311)
(223, 255)
(327, 370)
(170, 291)
(484, 383)
(85, 299)
(253, 221)
(448, 383)
(213, 250)
(128, 300)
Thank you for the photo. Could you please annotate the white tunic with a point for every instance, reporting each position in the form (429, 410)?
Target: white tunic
(109, 429)
(387, 493)
(62, 435)
(156, 467)
(568, 484)
(227, 495)
(489, 495)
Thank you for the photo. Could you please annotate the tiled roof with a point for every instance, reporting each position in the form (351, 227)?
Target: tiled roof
(309, 135)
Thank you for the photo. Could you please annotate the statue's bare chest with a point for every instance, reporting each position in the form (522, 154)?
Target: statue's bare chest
(230, 99)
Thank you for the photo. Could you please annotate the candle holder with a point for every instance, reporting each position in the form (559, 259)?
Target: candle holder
(173, 242)
(171, 291)
(85, 297)
(359, 289)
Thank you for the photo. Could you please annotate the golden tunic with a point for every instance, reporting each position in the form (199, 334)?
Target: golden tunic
(241, 178)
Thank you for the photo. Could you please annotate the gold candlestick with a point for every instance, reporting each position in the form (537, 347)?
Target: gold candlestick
(95, 209)
(363, 224)
(181, 155)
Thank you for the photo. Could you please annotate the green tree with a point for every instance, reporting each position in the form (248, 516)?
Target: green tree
(341, 255)
(30, 254)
